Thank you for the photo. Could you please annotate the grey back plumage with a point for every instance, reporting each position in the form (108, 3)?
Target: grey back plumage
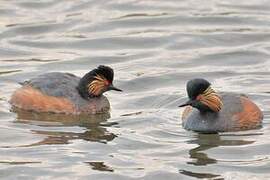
(59, 85)
(215, 122)
(55, 84)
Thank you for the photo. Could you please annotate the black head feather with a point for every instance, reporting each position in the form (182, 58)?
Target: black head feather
(196, 87)
(202, 96)
(102, 71)
(105, 71)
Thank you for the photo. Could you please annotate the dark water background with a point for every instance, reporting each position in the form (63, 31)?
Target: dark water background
(155, 46)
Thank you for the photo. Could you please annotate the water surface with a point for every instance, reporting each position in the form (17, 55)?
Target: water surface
(154, 46)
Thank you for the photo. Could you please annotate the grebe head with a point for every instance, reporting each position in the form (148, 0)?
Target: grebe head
(202, 96)
(96, 82)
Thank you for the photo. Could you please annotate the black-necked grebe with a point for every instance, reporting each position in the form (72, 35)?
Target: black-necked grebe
(66, 93)
(210, 112)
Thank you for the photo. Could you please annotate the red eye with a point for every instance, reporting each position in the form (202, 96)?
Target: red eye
(106, 82)
(199, 97)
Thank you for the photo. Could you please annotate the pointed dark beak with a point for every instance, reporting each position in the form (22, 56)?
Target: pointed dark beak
(188, 103)
(111, 87)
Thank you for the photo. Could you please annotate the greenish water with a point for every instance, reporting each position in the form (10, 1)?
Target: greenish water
(154, 47)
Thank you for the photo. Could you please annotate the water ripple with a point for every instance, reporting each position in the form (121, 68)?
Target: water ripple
(154, 47)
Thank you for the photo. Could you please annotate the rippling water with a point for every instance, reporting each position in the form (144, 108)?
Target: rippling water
(155, 46)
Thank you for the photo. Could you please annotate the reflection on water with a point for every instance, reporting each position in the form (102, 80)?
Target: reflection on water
(100, 166)
(199, 156)
(17, 162)
(155, 47)
(207, 141)
(198, 175)
(92, 124)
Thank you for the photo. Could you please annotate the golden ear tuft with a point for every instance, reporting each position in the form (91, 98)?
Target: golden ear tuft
(97, 86)
(211, 99)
